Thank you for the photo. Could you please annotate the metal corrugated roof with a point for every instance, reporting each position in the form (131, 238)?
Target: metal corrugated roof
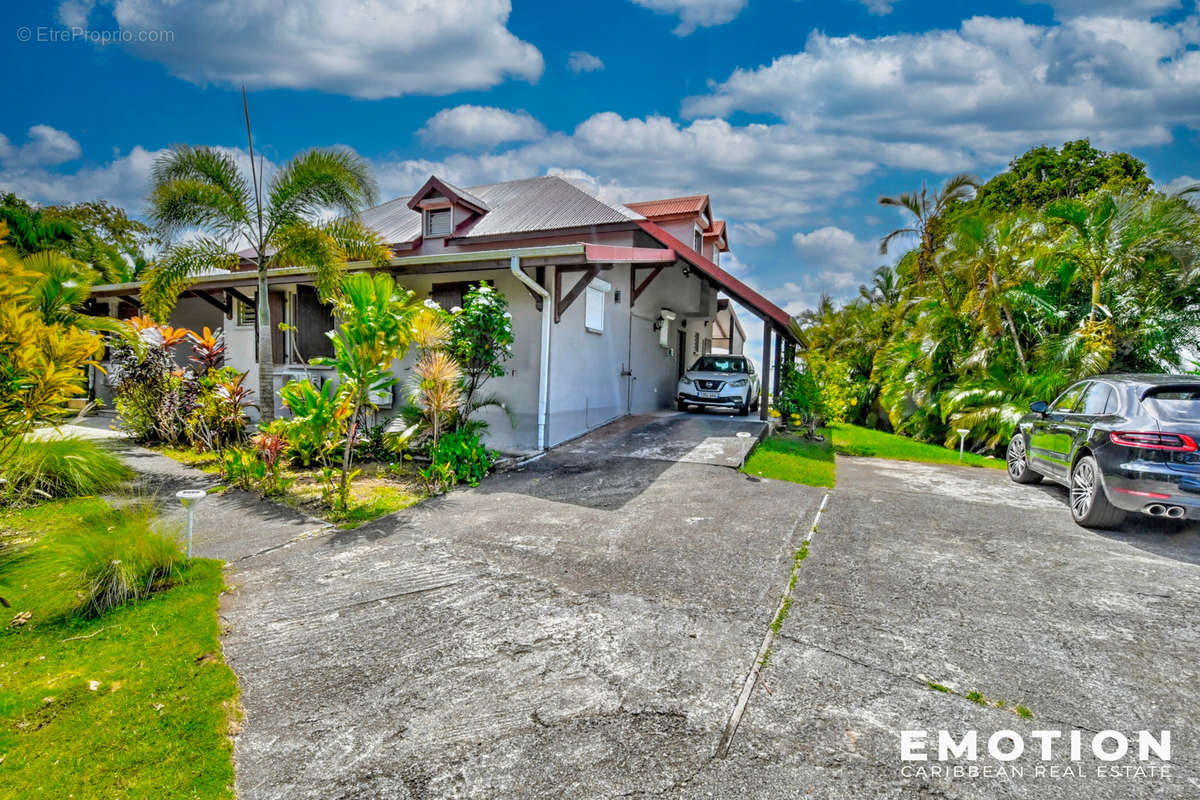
(693, 204)
(525, 206)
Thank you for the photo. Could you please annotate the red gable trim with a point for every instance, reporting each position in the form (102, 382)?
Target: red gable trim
(739, 291)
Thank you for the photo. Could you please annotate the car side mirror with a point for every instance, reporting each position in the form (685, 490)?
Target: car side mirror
(1039, 407)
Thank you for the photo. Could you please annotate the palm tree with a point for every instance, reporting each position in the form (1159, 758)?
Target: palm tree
(1117, 232)
(32, 230)
(928, 211)
(995, 257)
(883, 290)
(202, 189)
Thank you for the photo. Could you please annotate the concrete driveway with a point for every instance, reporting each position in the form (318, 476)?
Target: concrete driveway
(583, 627)
(958, 577)
(578, 628)
(696, 438)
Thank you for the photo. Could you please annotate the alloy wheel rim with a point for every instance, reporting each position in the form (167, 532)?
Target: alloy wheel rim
(1016, 457)
(1083, 489)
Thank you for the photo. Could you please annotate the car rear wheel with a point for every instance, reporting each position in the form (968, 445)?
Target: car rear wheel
(1089, 505)
(1018, 462)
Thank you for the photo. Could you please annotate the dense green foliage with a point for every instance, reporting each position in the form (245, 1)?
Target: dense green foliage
(457, 457)
(1014, 302)
(135, 703)
(481, 339)
(1045, 174)
(97, 234)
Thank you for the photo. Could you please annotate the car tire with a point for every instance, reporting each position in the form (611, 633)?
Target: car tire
(682, 406)
(1089, 505)
(1018, 462)
(744, 410)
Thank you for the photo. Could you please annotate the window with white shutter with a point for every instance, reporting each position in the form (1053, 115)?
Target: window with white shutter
(593, 310)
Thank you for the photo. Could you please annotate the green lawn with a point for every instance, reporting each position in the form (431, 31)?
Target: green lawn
(135, 704)
(788, 457)
(851, 440)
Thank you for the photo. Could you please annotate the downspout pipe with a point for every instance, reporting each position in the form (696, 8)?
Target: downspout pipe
(544, 358)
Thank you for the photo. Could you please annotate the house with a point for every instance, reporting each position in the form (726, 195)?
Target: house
(609, 303)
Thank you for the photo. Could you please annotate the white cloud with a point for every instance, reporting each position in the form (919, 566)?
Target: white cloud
(879, 8)
(369, 48)
(580, 61)
(751, 234)
(941, 101)
(123, 181)
(735, 266)
(836, 251)
(44, 146)
(75, 13)
(1067, 9)
(479, 126)
(695, 13)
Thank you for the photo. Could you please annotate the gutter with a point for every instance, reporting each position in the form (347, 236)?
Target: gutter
(199, 282)
(544, 357)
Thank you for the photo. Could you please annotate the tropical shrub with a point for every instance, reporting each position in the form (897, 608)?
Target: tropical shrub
(116, 557)
(376, 328)
(257, 468)
(45, 346)
(799, 399)
(60, 467)
(218, 404)
(458, 457)
(481, 340)
(318, 422)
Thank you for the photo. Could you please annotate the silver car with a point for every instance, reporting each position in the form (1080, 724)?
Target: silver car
(719, 382)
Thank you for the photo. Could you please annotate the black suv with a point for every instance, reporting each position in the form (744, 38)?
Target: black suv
(1119, 443)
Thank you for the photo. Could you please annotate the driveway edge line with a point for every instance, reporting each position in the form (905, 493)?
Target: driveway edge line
(760, 658)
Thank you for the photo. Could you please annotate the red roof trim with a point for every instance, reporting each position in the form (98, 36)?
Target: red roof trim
(739, 291)
(447, 191)
(608, 253)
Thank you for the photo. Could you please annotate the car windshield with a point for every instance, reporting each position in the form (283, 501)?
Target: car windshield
(719, 364)
(1175, 403)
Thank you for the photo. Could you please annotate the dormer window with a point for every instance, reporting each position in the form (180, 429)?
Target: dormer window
(698, 240)
(445, 208)
(439, 222)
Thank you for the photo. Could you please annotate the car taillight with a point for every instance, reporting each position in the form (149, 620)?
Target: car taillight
(1154, 441)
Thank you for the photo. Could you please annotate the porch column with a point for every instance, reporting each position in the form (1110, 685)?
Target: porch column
(775, 384)
(763, 397)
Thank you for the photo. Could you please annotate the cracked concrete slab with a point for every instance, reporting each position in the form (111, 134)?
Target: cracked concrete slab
(964, 585)
(699, 438)
(576, 628)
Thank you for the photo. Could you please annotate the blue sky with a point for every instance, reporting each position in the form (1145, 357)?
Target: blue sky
(794, 114)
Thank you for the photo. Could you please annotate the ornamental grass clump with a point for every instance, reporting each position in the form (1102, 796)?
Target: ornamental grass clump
(42, 469)
(115, 557)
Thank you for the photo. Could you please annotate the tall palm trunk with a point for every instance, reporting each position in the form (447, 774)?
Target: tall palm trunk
(1095, 297)
(1016, 339)
(1012, 328)
(266, 353)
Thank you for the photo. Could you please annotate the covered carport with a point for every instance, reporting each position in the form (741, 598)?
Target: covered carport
(781, 332)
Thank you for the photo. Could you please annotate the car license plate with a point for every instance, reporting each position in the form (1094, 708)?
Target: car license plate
(710, 395)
